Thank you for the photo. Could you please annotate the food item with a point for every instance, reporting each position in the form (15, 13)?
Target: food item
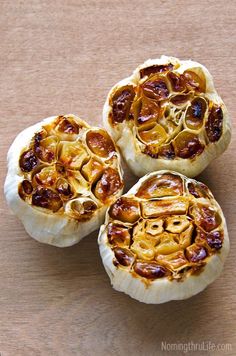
(168, 115)
(166, 239)
(62, 176)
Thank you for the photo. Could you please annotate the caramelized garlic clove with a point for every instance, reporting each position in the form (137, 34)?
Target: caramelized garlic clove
(108, 185)
(92, 170)
(205, 216)
(28, 161)
(154, 227)
(187, 145)
(214, 124)
(155, 88)
(123, 257)
(177, 224)
(46, 148)
(68, 127)
(100, 143)
(121, 103)
(156, 208)
(174, 261)
(143, 250)
(72, 155)
(46, 198)
(156, 135)
(185, 237)
(47, 176)
(195, 114)
(125, 209)
(118, 235)
(150, 270)
(145, 112)
(196, 253)
(195, 79)
(168, 244)
(164, 185)
(81, 209)
(161, 68)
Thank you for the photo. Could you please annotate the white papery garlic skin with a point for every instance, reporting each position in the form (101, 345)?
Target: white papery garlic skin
(156, 128)
(192, 255)
(70, 176)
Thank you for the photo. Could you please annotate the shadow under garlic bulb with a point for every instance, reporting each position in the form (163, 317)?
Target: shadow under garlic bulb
(62, 176)
(168, 115)
(165, 239)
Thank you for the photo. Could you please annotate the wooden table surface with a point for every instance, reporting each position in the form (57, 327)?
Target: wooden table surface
(62, 57)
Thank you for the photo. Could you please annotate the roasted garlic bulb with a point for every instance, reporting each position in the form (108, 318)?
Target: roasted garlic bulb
(168, 115)
(62, 176)
(166, 239)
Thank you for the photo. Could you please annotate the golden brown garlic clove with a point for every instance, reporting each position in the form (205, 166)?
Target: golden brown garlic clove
(180, 99)
(168, 244)
(81, 209)
(46, 198)
(109, 184)
(187, 145)
(174, 261)
(28, 161)
(177, 223)
(196, 253)
(155, 88)
(214, 124)
(123, 256)
(118, 235)
(72, 154)
(205, 216)
(185, 238)
(161, 68)
(156, 134)
(164, 185)
(125, 209)
(150, 270)
(121, 103)
(154, 227)
(67, 125)
(143, 249)
(100, 143)
(64, 189)
(47, 176)
(145, 111)
(25, 189)
(46, 148)
(195, 81)
(195, 114)
(199, 190)
(155, 208)
(92, 170)
(177, 81)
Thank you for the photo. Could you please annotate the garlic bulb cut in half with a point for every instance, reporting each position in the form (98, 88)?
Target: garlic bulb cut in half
(168, 115)
(62, 176)
(166, 239)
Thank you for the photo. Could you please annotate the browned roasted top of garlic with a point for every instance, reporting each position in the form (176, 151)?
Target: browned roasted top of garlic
(169, 228)
(171, 112)
(70, 168)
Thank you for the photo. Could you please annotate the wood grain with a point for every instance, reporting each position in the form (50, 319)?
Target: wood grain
(63, 56)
